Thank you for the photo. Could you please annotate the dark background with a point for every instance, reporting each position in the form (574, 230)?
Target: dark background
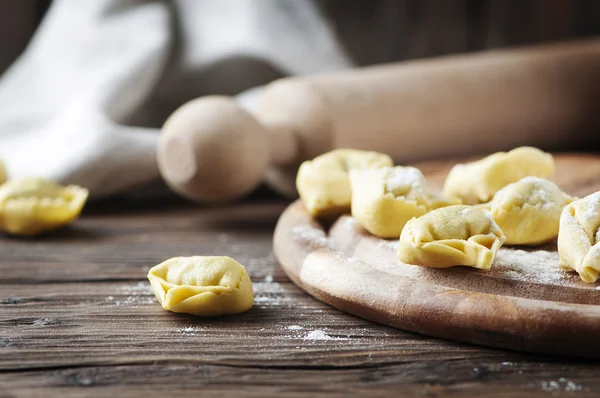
(378, 31)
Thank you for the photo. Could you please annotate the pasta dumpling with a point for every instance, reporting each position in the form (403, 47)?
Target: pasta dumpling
(579, 237)
(324, 182)
(202, 285)
(528, 211)
(30, 206)
(384, 199)
(478, 181)
(450, 236)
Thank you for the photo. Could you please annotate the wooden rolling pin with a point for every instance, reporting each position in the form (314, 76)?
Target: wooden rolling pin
(212, 150)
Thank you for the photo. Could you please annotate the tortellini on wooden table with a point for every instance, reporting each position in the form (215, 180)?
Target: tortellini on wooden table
(324, 182)
(31, 206)
(451, 236)
(202, 285)
(384, 199)
(579, 237)
(478, 181)
(528, 211)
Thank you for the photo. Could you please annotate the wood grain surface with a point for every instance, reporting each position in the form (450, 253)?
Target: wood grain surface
(77, 318)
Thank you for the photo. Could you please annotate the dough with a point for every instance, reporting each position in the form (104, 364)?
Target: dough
(202, 285)
(324, 183)
(30, 206)
(384, 199)
(528, 211)
(477, 182)
(449, 236)
(579, 237)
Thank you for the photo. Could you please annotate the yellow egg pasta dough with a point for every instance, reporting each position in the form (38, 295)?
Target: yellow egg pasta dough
(324, 182)
(528, 211)
(478, 181)
(579, 237)
(451, 236)
(31, 206)
(202, 285)
(384, 199)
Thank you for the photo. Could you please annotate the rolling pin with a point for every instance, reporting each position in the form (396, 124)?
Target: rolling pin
(212, 150)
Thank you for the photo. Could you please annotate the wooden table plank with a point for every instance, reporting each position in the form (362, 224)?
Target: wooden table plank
(77, 317)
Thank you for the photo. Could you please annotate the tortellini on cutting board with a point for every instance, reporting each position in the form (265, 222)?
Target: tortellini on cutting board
(324, 182)
(202, 285)
(451, 236)
(30, 206)
(579, 237)
(384, 199)
(528, 211)
(478, 181)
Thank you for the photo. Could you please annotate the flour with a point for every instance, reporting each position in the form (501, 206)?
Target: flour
(592, 208)
(187, 330)
(318, 335)
(272, 294)
(309, 233)
(295, 327)
(562, 384)
(539, 266)
(401, 180)
(321, 335)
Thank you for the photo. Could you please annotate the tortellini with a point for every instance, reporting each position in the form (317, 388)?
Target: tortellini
(30, 206)
(579, 237)
(528, 211)
(450, 236)
(478, 181)
(202, 285)
(384, 199)
(324, 183)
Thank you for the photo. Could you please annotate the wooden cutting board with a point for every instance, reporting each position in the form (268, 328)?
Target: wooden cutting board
(525, 302)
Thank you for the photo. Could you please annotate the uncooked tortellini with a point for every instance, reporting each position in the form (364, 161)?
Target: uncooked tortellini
(30, 206)
(477, 182)
(579, 237)
(449, 236)
(199, 285)
(384, 199)
(528, 211)
(324, 184)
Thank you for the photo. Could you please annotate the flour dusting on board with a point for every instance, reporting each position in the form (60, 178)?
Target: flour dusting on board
(309, 233)
(530, 266)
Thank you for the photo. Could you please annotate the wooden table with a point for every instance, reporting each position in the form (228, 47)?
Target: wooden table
(77, 317)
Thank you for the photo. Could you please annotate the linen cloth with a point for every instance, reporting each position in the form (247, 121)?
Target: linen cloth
(85, 101)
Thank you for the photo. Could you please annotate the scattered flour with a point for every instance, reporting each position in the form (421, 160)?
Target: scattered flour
(268, 279)
(401, 180)
(310, 233)
(539, 266)
(562, 384)
(318, 335)
(187, 329)
(321, 335)
(295, 327)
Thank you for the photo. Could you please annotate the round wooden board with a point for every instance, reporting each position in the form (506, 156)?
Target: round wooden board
(525, 302)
